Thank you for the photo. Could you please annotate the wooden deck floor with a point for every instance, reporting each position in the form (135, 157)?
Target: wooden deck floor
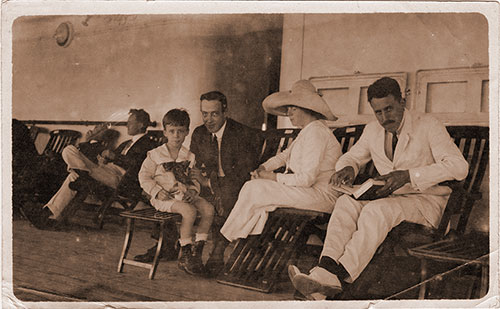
(81, 264)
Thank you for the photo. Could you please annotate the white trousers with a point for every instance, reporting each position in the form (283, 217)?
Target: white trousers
(357, 228)
(109, 175)
(260, 196)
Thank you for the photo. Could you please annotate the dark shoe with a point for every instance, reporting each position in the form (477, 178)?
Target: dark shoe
(214, 266)
(36, 214)
(187, 262)
(148, 257)
(82, 183)
(197, 263)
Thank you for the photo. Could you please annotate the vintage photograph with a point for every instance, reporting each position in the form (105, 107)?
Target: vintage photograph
(267, 155)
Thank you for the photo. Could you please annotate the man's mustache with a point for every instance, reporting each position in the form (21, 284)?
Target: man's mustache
(388, 122)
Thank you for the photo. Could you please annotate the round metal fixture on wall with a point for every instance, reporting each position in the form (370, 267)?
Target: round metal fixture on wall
(64, 34)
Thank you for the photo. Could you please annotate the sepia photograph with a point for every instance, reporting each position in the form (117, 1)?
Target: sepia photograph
(204, 154)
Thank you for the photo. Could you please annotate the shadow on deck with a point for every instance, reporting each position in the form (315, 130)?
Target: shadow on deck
(80, 264)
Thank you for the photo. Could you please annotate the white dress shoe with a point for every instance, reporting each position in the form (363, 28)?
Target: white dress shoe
(318, 284)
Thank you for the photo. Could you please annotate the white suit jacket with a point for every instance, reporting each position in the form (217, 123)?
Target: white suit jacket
(424, 148)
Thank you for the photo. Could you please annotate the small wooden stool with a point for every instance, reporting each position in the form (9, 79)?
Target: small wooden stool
(149, 214)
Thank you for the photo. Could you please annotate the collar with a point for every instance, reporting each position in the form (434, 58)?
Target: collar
(221, 131)
(401, 124)
(136, 137)
(398, 131)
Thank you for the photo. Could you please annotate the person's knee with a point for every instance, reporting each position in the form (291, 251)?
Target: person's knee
(207, 209)
(379, 211)
(69, 150)
(187, 211)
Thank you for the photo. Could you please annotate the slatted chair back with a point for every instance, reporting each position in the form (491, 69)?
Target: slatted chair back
(60, 139)
(473, 142)
(275, 141)
(348, 136)
(34, 131)
(278, 140)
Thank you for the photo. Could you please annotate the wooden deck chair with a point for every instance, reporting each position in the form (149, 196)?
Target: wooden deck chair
(450, 243)
(60, 139)
(256, 262)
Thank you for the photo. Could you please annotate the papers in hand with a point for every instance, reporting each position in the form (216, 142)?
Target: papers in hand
(365, 191)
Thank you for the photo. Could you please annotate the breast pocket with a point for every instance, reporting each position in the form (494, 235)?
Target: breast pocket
(415, 154)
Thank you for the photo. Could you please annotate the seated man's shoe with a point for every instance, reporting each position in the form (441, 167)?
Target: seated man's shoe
(318, 285)
(37, 214)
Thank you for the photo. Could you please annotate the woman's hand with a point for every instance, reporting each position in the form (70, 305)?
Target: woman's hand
(255, 174)
(266, 175)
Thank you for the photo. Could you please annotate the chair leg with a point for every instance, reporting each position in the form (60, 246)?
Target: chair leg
(157, 254)
(423, 277)
(101, 213)
(484, 281)
(127, 242)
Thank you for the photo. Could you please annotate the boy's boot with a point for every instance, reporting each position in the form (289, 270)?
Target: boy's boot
(187, 261)
(197, 263)
(185, 256)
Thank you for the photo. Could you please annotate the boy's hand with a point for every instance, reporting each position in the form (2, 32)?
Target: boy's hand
(195, 173)
(189, 196)
(164, 195)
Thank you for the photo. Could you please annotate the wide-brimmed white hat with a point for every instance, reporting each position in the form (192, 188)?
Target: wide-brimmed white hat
(303, 94)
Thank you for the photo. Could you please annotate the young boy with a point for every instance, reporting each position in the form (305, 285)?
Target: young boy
(170, 194)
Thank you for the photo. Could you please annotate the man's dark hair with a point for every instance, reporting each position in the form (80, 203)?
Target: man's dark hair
(142, 116)
(215, 95)
(384, 87)
(176, 117)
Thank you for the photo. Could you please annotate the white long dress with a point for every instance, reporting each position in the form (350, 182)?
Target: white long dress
(311, 159)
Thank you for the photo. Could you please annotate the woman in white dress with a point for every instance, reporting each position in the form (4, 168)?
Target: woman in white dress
(309, 161)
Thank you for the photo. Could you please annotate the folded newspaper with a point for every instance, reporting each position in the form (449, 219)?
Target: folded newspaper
(365, 191)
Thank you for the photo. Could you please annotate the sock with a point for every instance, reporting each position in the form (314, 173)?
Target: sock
(185, 241)
(332, 266)
(201, 237)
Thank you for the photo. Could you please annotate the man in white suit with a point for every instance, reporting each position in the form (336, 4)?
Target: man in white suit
(413, 153)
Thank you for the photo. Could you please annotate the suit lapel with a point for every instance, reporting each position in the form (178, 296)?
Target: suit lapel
(379, 143)
(404, 137)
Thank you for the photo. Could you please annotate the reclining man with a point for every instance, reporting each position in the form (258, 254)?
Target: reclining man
(116, 169)
(413, 153)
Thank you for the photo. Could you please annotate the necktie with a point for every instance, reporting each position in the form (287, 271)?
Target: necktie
(394, 143)
(215, 145)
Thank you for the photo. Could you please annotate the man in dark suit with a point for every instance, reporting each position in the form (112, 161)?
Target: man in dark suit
(226, 151)
(116, 169)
